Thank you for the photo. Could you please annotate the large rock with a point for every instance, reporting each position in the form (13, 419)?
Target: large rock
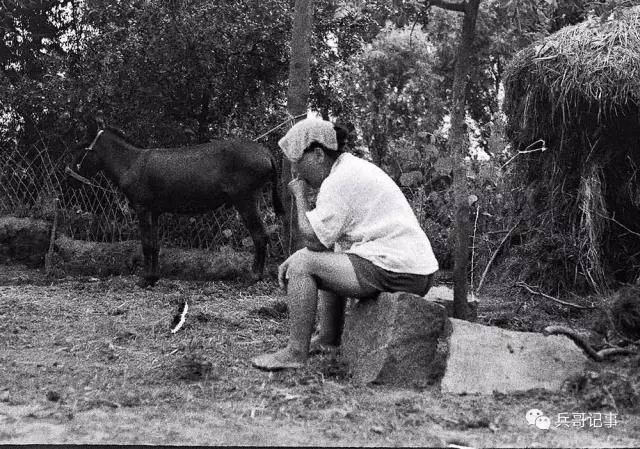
(484, 359)
(406, 340)
(24, 240)
(395, 339)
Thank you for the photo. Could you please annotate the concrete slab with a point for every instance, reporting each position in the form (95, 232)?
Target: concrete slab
(484, 359)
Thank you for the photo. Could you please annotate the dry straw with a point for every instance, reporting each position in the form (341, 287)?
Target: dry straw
(579, 91)
(591, 67)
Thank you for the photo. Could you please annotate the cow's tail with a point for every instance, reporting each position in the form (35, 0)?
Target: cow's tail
(275, 188)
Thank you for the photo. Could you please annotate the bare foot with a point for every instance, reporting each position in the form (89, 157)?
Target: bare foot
(284, 359)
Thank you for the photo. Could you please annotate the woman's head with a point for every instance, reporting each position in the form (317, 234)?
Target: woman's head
(313, 146)
(311, 133)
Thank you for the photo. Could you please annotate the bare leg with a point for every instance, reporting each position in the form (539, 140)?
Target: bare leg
(303, 301)
(306, 272)
(330, 322)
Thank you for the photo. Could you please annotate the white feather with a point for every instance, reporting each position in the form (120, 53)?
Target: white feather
(183, 315)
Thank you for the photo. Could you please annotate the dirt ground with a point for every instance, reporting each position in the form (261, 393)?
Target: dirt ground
(91, 360)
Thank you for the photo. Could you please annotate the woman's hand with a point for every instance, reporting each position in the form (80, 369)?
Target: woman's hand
(282, 272)
(283, 269)
(297, 187)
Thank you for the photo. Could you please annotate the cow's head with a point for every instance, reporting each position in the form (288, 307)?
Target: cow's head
(86, 160)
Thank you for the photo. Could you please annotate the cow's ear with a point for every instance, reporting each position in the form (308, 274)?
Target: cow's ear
(100, 122)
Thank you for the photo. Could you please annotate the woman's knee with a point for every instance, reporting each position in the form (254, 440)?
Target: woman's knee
(303, 263)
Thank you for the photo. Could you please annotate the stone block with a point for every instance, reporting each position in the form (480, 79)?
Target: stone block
(484, 359)
(395, 338)
(405, 340)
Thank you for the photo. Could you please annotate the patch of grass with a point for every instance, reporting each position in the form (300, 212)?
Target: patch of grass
(104, 345)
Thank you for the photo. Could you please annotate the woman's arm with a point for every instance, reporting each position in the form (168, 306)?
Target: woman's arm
(298, 188)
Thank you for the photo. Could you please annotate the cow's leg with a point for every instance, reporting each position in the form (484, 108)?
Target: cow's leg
(155, 248)
(248, 209)
(148, 235)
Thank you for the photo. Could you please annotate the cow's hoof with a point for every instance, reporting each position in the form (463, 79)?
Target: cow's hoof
(250, 278)
(147, 282)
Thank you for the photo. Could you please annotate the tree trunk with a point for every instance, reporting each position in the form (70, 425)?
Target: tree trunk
(378, 148)
(297, 101)
(459, 147)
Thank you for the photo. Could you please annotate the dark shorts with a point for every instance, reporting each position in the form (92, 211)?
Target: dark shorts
(372, 276)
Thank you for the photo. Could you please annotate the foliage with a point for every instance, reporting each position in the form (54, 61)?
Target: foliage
(341, 31)
(503, 28)
(30, 60)
(391, 90)
(173, 72)
(167, 72)
(182, 73)
(31, 30)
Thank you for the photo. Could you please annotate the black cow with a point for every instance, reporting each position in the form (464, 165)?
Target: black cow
(193, 179)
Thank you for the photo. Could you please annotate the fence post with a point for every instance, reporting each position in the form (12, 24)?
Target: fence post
(48, 258)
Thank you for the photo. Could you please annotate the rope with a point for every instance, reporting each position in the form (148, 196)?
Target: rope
(89, 148)
(290, 121)
(84, 180)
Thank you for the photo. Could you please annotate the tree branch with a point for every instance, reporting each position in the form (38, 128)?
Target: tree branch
(451, 6)
(559, 301)
(598, 356)
(495, 253)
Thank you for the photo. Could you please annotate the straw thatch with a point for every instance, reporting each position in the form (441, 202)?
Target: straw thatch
(585, 69)
(579, 91)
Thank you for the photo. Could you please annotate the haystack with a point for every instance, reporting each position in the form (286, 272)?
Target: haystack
(579, 91)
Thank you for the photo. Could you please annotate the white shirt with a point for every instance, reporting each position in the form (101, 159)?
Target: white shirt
(360, 210)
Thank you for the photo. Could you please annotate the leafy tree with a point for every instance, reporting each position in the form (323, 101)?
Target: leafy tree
(30, 57)
(391, 91)
(179, 72)
(340, 33)
(168, 72)
(347, 27)
(31, 29)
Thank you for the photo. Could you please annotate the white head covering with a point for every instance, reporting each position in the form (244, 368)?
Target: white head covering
(304, 133)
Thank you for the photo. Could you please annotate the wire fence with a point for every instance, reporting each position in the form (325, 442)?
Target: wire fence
(31, 181)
